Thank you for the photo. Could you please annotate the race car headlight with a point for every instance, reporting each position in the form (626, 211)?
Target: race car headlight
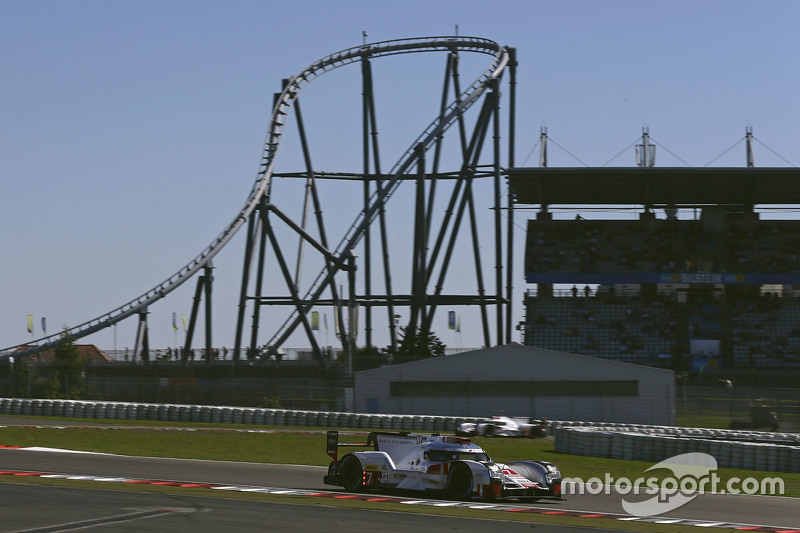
(552, 473)
(494, 471)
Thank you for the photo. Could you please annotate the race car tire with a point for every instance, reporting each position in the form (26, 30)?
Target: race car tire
(459, 482)
(351, 474)
(535, 432)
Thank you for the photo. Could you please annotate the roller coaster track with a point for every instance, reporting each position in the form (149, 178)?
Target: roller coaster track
(261, 186)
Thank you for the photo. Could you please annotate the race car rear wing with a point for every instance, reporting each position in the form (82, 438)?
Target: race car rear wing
(333, 445)
(384, 441)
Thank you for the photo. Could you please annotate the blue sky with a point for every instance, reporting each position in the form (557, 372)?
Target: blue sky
(131, 132)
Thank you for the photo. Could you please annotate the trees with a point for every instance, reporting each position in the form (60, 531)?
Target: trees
(68, 367)
(414, 344)
(419, 344)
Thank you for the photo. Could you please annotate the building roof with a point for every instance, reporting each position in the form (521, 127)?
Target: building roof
(519, 362)
(655, 185)
(87, 352)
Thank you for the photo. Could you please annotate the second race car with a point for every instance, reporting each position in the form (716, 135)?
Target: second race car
(504, 426)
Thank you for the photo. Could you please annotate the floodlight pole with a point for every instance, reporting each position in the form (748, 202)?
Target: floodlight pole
(543, 146)
(645, 152)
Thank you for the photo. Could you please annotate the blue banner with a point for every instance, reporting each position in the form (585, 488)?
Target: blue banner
(691, 278)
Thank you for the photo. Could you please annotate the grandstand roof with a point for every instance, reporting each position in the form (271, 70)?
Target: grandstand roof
(655, 185)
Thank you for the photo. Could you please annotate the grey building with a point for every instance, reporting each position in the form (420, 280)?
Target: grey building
(520, 381)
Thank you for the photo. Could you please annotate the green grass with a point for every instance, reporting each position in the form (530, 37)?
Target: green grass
(286, 448)
(307, 446)
(708, 419)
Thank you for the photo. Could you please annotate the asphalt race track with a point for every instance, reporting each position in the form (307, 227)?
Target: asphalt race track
(69, 509)
(756, 510)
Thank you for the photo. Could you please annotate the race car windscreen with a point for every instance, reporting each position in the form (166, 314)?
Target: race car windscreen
(442, 456)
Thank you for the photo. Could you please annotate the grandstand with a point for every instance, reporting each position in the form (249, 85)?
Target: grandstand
(700, 276)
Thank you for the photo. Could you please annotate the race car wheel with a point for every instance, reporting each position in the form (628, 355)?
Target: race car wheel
(459, 482)
(351, 474)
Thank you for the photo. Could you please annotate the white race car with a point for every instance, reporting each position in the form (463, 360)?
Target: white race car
(447, 464)
(503, 426)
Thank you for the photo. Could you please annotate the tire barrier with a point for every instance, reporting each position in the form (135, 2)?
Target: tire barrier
(746, 450)
(229, 415)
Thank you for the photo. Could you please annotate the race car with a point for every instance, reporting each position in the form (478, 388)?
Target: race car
(503, 426)
(451, 465)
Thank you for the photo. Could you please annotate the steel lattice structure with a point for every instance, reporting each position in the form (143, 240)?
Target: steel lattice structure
(433, 244)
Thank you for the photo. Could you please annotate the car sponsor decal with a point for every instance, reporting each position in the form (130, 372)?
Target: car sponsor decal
(519, 479)
(372, 477)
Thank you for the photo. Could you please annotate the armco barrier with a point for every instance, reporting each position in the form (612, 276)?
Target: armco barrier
(228, 415)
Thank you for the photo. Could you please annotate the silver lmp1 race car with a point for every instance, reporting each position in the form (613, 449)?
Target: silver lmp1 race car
(447, 464)
(503, 426)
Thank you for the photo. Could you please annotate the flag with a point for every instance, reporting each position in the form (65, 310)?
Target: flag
(44, 326)
(183, 322)
(314, 320)
(175, 321)
(336, 320)
(451, 320)
(30, 323)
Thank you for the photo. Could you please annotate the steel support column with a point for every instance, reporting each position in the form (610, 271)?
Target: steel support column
(252, 232)
(261, 228)
(208, 276)
(419, 278)
(141, 347)
(512, 125)
(203, 287)
(466, 203)
(366, 132)
(498, 219)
